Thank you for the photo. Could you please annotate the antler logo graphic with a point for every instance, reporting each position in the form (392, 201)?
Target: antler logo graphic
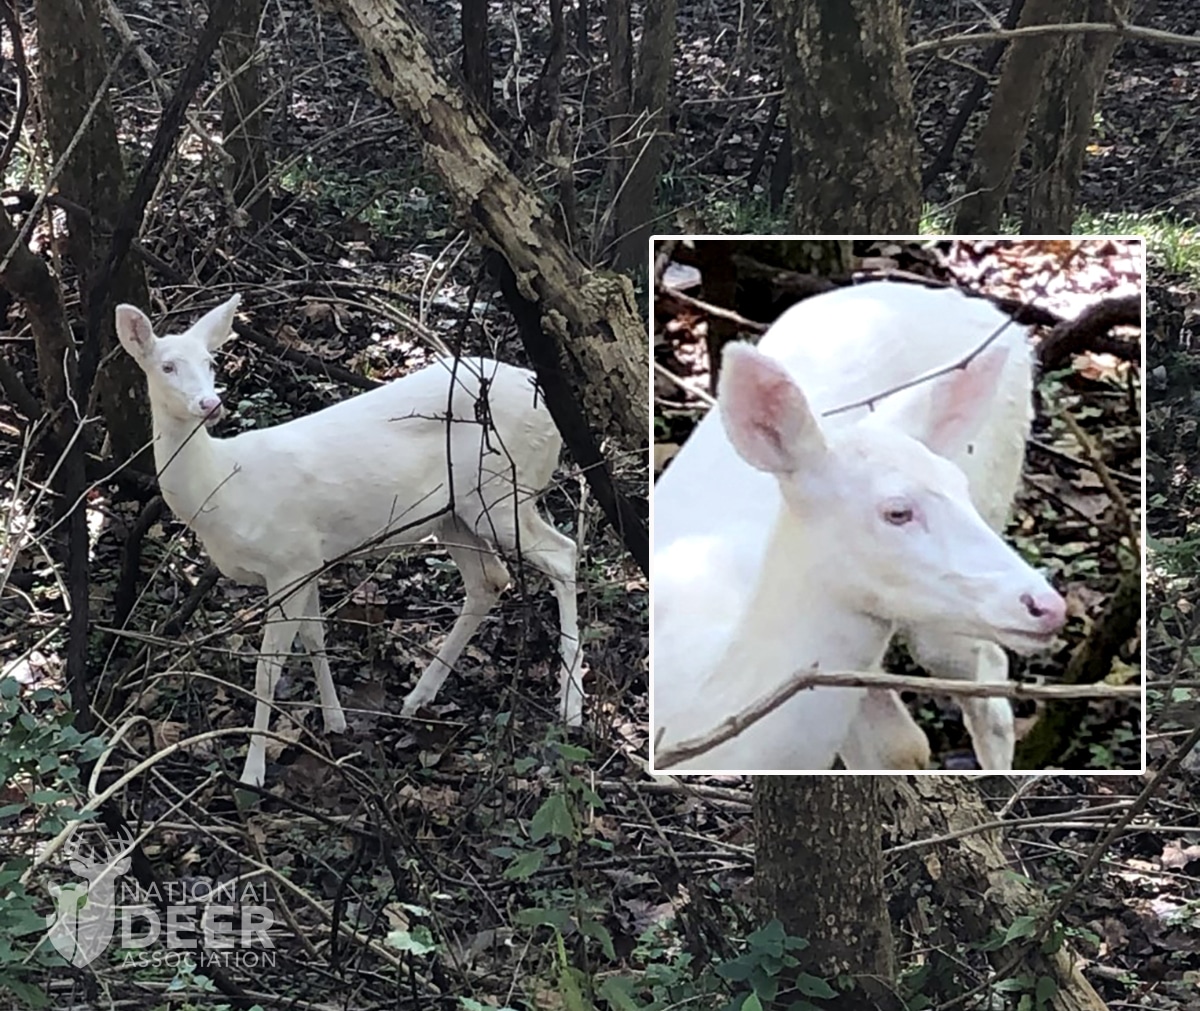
(83, 923)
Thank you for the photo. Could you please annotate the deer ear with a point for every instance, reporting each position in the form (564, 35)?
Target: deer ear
(134, 331)
(765, 414)
(215, 327)
(946, 413)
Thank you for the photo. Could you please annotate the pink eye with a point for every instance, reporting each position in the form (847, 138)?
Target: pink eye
(168, 367)
(898, 515)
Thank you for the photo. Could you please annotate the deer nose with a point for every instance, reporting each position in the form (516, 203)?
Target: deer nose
(1049, 608)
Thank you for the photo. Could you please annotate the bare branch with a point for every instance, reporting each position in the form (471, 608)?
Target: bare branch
(1078, 28)
(730, 728)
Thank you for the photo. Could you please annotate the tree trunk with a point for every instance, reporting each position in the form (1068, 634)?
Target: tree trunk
(618, 41)
(1062, 123)
(970, 884)
(1003, 135)
(819, 870)
(243, 118)
(72, 66)
(476, 60)
(850, 112)
(592, 319)
(636, 202)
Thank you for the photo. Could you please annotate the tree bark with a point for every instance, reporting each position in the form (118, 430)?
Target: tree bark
(593, 318)
(636, 202)
(970, 883)
(1062, 123)
(243, 118)
(73, 64)
(476, 60)
(30, 281)
(1003, 134)
(819, 870)
(850, 113)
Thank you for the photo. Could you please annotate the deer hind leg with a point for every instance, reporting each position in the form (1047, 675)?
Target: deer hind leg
(989, 721)
(553, 554)
(485, 577)
(312, 638)
(518, 528)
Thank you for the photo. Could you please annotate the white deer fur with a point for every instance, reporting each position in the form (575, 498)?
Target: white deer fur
(273, 506)
(781, 541)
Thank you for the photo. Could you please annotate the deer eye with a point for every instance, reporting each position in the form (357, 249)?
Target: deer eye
(168, 367)
(898, 513)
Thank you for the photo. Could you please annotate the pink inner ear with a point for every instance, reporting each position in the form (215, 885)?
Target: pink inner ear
(962, 400)
(135, 326)
(765, 415)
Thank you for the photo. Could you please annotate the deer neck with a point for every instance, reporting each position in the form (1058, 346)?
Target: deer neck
(190, 465)
(795, 621)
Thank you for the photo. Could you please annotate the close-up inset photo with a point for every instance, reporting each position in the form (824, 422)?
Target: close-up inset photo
(897, 511)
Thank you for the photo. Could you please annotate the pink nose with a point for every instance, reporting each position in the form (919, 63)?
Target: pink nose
(210, 404)
(1048, 608)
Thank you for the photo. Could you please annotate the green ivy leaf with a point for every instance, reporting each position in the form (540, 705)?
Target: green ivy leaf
(552, 818)
(524, 866)
(544, 916)
(1022, 926)
(599, 932)
(1045, 990)
(814, 986)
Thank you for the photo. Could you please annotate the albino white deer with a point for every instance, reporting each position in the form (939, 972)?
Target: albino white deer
(275, 505)
(783, 539)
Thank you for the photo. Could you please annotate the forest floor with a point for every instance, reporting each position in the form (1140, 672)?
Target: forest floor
(480, 854)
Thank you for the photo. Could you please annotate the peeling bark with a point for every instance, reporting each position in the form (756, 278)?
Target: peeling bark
(593, 317)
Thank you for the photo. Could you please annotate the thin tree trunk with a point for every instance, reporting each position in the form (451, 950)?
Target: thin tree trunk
(618, 39)
(1003, 134)
(476, 60)
(819, 870)
(850, 112)
(636, 204)
(243, 119)
(72, 65)
(1062, 123)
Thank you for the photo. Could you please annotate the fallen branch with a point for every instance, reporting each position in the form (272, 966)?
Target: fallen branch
(1089, 332)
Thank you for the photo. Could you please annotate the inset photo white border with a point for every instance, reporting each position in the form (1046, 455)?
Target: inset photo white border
(719, 574)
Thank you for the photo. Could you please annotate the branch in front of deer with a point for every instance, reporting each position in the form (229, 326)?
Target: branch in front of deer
(736, 724)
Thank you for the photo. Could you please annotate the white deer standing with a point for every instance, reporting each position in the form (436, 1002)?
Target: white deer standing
(784, 540)
(274, 506)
